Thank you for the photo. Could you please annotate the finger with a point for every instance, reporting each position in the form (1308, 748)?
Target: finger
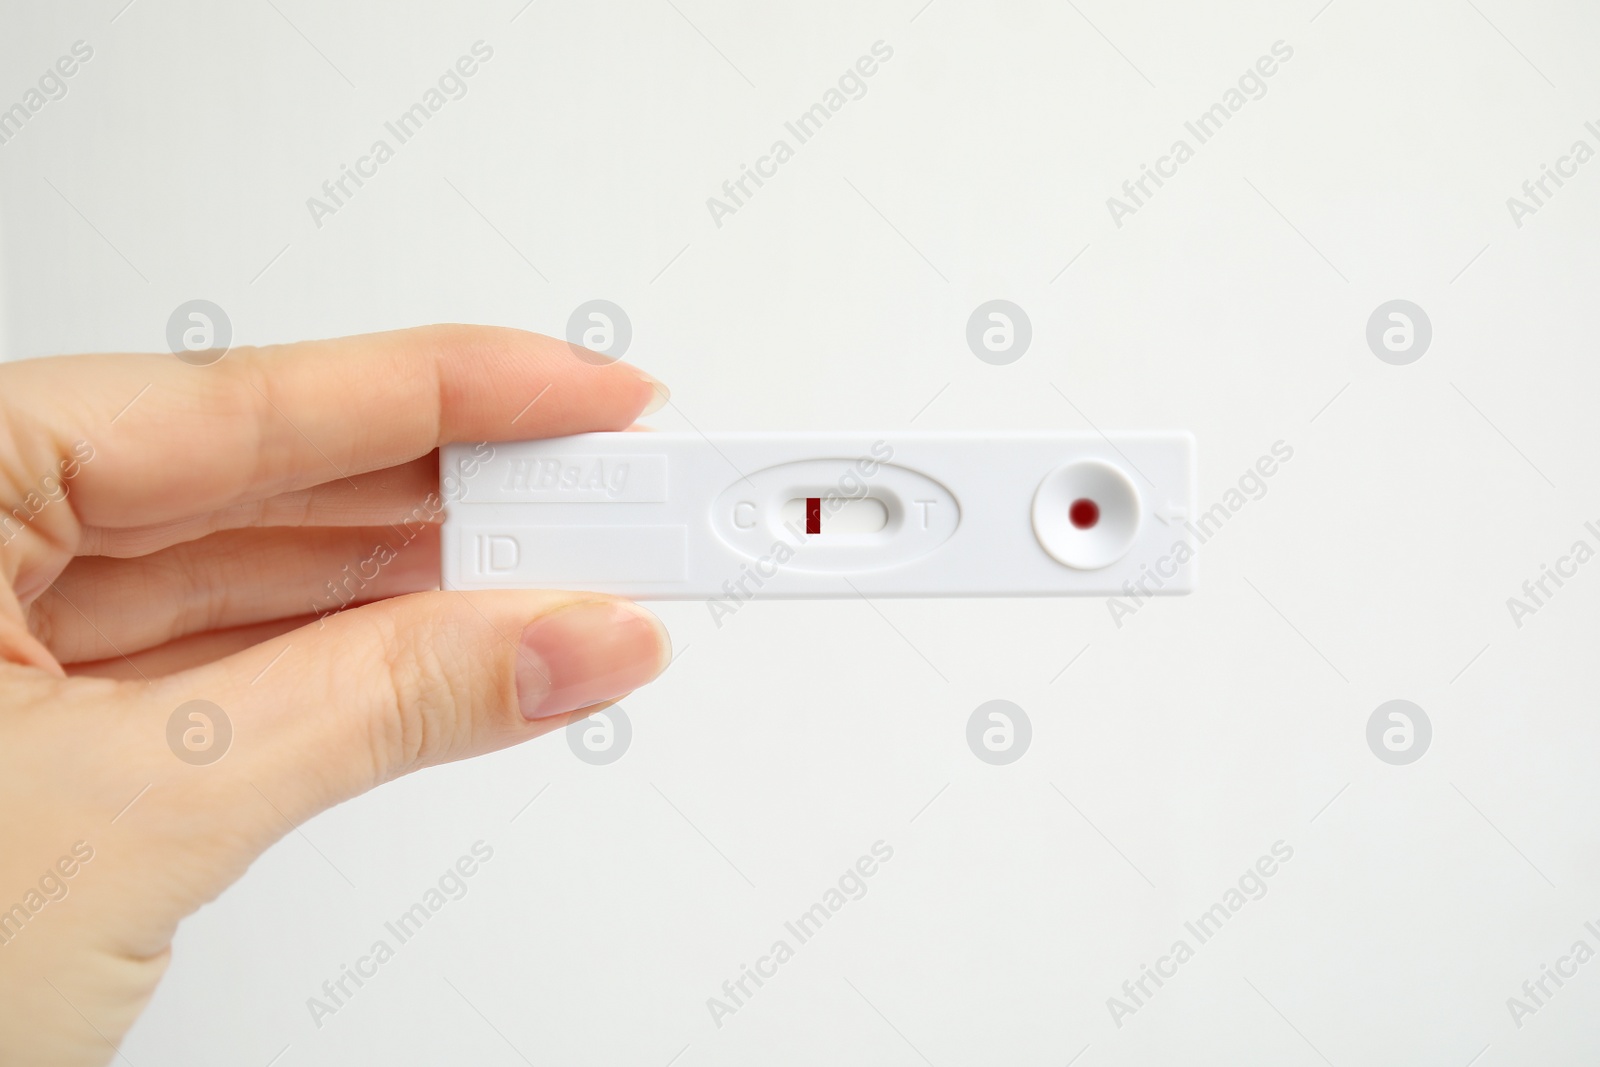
(384, 689)
(265, 421)
(399, 494)
(102, 607)
(193, 651)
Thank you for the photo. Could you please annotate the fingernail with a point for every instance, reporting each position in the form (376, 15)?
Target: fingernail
(585, 653)
(659, 401)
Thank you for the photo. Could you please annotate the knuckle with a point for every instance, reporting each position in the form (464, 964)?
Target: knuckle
(429, 713)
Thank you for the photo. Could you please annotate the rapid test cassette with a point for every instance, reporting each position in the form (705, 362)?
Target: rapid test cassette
(685, 516)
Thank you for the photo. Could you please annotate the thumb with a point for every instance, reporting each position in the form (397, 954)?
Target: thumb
(286, 730)
(329, 711)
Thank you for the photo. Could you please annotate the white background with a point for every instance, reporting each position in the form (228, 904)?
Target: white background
(1174, 750)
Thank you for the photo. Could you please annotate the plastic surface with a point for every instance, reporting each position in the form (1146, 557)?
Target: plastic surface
(681, 516)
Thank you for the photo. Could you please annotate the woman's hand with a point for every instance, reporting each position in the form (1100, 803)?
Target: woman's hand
(178, 546)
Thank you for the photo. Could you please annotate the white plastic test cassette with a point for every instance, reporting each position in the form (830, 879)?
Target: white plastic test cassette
(691, 517)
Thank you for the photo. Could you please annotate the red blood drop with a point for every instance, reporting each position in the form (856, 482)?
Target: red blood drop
(1084, 513)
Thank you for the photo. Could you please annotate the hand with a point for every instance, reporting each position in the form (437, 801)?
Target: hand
(176, 533)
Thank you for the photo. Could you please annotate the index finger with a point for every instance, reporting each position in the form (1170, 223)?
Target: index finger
(169, 439)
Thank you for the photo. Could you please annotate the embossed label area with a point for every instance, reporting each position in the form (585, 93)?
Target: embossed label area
(577, 479)
(575, 555)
